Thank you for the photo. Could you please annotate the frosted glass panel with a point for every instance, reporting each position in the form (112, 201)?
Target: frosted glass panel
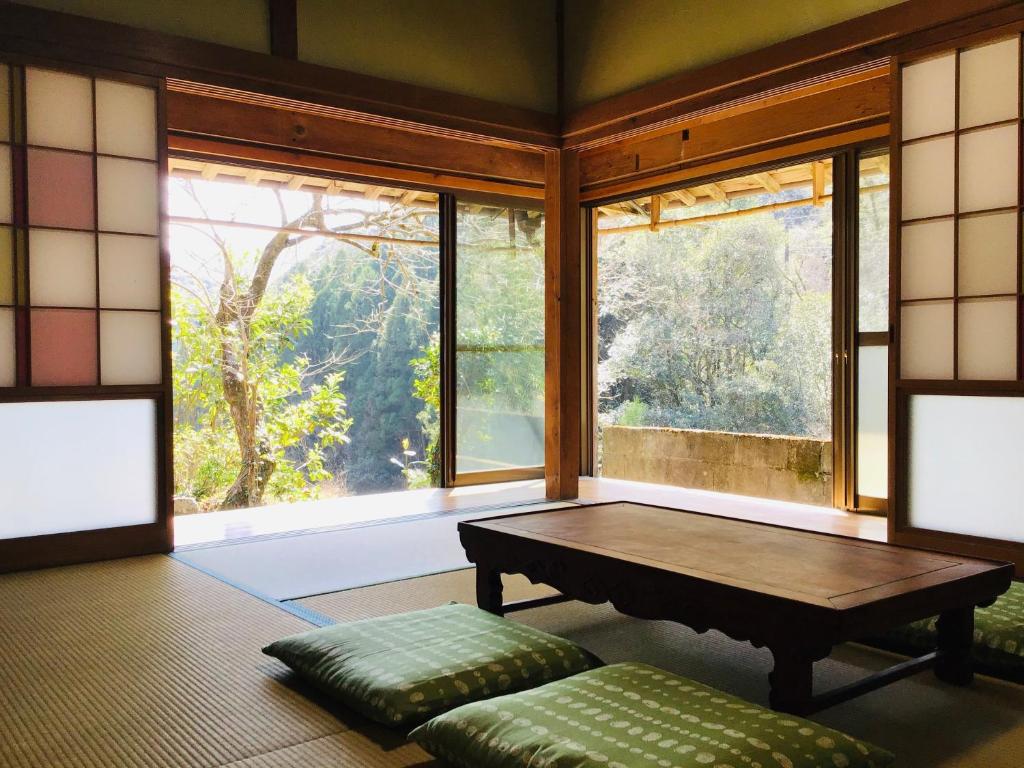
(59, 109)
(129, 272)
(926, 341)
(60, 189)
(102, 454)
(873, 421)
(988, 83)
(928, 178)
(63, 347)
(125, 119)
(988, 168)
(62, 268)
(7, 362)
(988, 254)
(130, 348)
(6, 191)
(5, 103)
(965, 465)
(929, 97)
(927, 251)
(128, 196)
(988, 339)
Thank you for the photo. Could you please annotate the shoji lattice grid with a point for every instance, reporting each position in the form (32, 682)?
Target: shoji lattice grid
(80, 270)
(960, 233)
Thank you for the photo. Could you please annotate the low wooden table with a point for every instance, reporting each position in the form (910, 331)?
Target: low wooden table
(795, 592)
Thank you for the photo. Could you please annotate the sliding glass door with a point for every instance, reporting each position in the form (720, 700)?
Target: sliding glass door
(497, 379)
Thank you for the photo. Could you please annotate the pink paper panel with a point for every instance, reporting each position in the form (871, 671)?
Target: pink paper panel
(60, 190)
(63, 347)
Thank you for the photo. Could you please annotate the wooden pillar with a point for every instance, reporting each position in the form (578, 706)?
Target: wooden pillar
(562, 326)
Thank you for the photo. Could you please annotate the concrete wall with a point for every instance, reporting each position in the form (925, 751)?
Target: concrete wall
(787, 468)
(613, 46)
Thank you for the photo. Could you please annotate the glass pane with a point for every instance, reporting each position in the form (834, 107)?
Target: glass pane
(128, 196)
(103, 452)
(7, 361)
(125, 120)
(63, 347)
(988, 168)
(714, 336)
(6, 190)
(130, 348)
(987, 339)
(129, 272)
(927, 252)
(873, 421)
(6, 266)
(928, 178)
(499, 356)
(926, 341)
(966, 464)
(929, 97)
(988, 254)
(873, 245)
(60, 190)
(59, 109)
(988, 83)
(62, 268)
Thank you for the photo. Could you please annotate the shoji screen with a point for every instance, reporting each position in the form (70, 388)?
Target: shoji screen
(82, 327)
(959, 294)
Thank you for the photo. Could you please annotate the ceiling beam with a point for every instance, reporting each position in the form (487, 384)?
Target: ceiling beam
(768, 181)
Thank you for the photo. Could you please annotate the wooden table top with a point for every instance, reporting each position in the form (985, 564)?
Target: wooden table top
(812, 568)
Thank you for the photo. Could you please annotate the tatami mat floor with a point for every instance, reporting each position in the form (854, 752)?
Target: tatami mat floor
(148, 662)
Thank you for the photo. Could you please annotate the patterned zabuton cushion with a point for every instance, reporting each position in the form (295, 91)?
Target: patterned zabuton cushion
(406, 668)
(635, 716)
(998, 636)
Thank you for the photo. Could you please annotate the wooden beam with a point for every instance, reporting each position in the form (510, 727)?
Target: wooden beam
(715, 192)
(36, 32)
(685, 196)
(353, 236)
(655, 212)
(296, 182)
(768, 181)
(321, 165)
(818, 183)
(845, 46)
(198, 115)
(562, 326)
(284, 29)
(252, 177)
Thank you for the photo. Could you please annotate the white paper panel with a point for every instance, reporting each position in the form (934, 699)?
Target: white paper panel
(966, 465)
(873, 421)
(988, 168)
(987, 338)
(125, 119)
(926, 341)
(988, 254)
(927, 253)
(58, 109)
(76, 466)
(129, 272)
(7, 361)
(928, 178)
(929, 97)
(988, 83)
(130, 348)
(5, 103)
(62, 268)
(128, 196)
(6, 192)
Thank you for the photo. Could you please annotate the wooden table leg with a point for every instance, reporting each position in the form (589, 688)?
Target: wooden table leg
(956, 641)
(792, 682)
(489, 590)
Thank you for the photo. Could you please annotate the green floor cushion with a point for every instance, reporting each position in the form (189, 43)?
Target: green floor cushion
(998, 637)
(635, 716)
(406, 668)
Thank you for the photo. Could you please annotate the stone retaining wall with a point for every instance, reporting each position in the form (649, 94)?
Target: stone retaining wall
(787, 468)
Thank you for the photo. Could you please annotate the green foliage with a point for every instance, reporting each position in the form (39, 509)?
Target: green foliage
(426, 386)
(297, 419)
(724, 326)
